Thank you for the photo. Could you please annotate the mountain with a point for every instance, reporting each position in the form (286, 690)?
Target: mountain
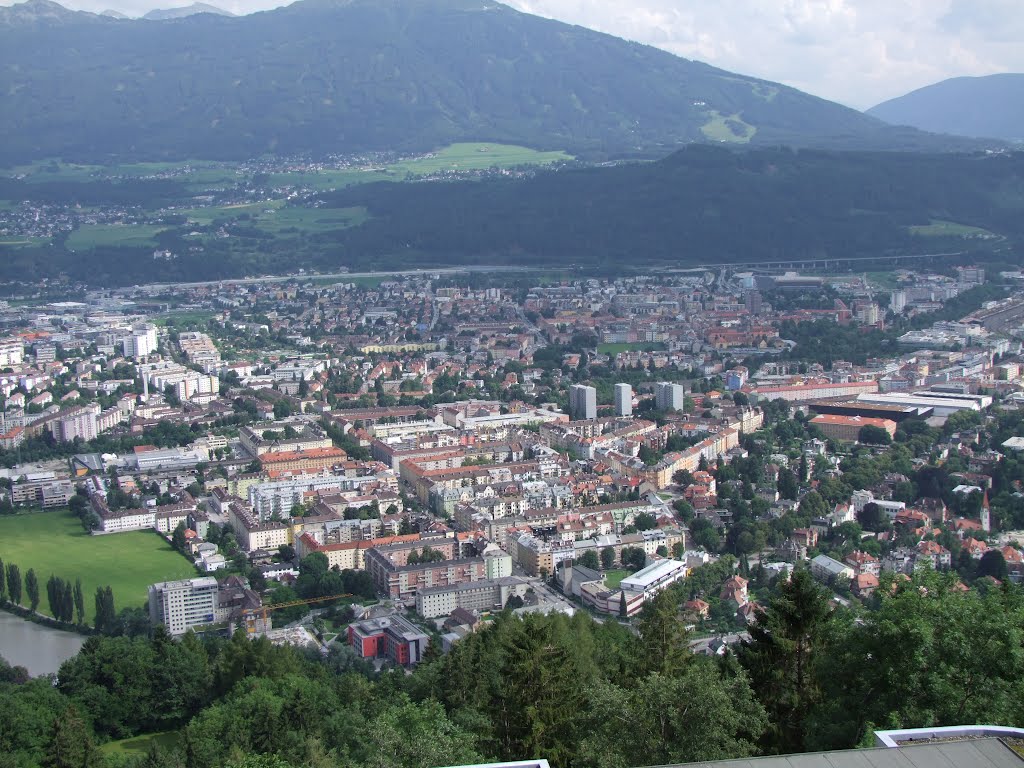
(162, 14)
(111, 13)
(324, 76)
(991, 106)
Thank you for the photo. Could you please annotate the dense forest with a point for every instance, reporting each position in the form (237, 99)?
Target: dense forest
(702, 205)
(570, 690)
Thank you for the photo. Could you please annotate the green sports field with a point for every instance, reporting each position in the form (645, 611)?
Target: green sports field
(613, 578)
(55, 543)
(613, 348)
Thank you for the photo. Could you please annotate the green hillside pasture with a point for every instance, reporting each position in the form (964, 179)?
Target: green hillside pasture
(53, 170)
(456, 157)
(128, 235)
(201, 175)
(206, 216)
(54, 543)
(728, 128)
(18, 241)
(311, 220)
(478, 156)
(322, 181)
(274, 217)
(939, 228)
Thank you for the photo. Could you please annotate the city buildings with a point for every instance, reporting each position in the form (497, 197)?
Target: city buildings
(669, 397)
(183, 605)
(623, 400)
(390, 637)
(582, 402)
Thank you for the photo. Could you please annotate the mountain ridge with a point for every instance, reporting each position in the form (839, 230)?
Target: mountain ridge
(163, 14)
(988, 106)
(343, 76)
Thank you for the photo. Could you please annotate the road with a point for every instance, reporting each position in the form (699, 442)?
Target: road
(340, 276)
(701, 645)
(550, 595)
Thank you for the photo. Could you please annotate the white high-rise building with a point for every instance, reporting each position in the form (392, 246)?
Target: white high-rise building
(669, 397)
(582, 402)
(183, 605)
(142, 341)
(623, 400)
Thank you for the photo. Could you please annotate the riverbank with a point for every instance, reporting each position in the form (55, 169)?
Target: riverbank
(27, 614)
(38, 648)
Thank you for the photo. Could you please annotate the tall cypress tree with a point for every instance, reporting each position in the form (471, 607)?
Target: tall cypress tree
(32, 589)
(14, 583)
(67, 603)
(3, 582)
(79, 598)
(53, 594)
(101, 614)
(106, 615)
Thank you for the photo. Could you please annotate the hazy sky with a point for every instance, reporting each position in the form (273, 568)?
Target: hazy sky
(858, 52)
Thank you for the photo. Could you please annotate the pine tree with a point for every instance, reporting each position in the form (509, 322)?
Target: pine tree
(71, 744)
(32, 589)
(664, 641)
(3, 582)
(784, 642)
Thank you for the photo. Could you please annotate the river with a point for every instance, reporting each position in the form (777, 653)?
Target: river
(41, 650)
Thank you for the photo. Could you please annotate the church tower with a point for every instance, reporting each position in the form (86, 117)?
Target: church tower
(986, 515)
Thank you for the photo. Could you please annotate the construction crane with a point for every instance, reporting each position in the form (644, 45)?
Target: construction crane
(252, 616)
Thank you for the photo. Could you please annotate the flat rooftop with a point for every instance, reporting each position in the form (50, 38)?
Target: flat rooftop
(970, 753)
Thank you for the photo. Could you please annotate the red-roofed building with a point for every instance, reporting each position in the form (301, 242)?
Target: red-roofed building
(735, 589)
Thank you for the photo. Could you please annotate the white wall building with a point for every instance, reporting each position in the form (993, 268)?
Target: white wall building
(183, 605)
(623, 400)
(669, 397)
(582, 402)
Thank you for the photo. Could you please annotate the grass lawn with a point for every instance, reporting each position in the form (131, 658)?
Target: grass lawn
(457, 157)
(54, 170)
(614, 578)
(137, 746)
(95, 235)
(54, 543)
(883, 279)
(275, 218)
(478, 156)
(939, 228)
(181, 319)
(646, 346)
(17, 241)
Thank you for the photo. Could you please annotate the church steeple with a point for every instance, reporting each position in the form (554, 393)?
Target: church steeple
(986, 514)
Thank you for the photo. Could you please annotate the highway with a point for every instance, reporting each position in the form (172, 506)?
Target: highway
(339, 276)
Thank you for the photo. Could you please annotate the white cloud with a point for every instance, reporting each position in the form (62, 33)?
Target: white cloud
(858, 52)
